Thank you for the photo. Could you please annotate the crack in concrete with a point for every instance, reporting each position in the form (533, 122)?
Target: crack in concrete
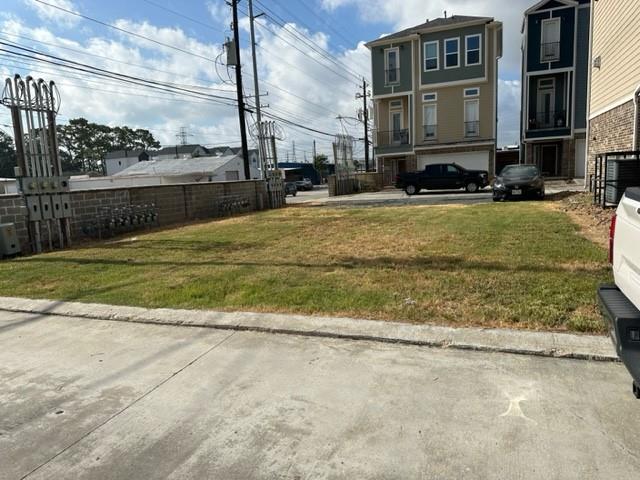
(131, 404)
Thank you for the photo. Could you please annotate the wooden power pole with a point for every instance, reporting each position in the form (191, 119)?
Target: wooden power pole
(243, 126)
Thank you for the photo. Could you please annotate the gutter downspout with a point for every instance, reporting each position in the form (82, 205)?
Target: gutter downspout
(587, 143)
(636, 120)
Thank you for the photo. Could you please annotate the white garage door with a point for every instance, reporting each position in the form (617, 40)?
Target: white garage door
(470, 160)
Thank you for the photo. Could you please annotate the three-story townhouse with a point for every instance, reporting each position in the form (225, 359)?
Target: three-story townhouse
(435, 95)
(555, 69)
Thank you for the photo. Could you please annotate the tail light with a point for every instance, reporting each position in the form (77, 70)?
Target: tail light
(612, 234)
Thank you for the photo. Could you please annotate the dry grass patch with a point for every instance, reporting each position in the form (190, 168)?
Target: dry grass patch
(519, 265)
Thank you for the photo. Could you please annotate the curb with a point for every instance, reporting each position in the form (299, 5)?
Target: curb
(521, 342)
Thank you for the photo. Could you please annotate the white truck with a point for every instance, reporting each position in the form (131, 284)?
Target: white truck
(620, 303)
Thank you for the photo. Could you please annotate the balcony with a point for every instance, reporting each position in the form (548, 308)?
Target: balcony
(550, 52)
(392, 76)
(472, 129)
(429, 132)
(394, 141)
(551, 119)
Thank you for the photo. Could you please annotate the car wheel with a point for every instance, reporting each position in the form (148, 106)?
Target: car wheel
(411, 189)
(471, 187)
(541, 195)
(295, 194)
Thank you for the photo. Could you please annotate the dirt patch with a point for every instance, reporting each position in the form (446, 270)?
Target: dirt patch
(593, 220)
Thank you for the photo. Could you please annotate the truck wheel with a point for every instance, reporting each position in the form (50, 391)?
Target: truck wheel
(471, 187)
(411, 189)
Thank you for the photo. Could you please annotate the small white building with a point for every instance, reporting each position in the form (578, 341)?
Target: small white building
(122, 159)
(222, 168)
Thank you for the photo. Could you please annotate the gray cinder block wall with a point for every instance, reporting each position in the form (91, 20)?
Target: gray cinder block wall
(175, 203)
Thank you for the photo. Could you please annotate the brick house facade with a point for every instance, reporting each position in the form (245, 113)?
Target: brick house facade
(611, 131)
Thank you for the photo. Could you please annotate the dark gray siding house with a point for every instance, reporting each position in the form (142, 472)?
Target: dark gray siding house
(555, 59)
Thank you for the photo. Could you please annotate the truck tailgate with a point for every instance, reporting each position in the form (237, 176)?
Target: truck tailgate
(626, 250)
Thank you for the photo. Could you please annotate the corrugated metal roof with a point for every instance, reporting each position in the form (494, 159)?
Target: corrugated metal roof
(178, 166)
(435, 23)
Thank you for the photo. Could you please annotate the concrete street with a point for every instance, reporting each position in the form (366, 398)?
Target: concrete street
(391, 196)
(82, 398)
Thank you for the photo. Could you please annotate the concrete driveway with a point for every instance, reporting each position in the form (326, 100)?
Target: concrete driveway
(97, 399)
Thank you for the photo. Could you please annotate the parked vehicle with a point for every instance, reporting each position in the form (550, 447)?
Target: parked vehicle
(304, 184)
(620, 303)
(442, 176)
(517, 181)
(290, 188)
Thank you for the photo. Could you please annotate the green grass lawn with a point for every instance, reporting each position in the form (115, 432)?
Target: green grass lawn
(519, 264)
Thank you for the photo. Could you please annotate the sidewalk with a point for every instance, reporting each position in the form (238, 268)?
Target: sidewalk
(548, 344)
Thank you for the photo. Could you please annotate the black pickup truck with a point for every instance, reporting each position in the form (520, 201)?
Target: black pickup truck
(442, 176)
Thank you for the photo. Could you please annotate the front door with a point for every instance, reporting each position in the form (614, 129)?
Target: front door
(549, 160)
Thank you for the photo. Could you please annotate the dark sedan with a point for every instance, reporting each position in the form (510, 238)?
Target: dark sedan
(518, 181)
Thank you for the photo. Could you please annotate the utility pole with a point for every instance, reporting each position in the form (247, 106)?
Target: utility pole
(314, 149)
(256, 89)
(365, 117)
(243, 126)
(294, 150)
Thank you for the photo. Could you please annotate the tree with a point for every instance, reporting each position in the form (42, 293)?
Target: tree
(7, 156)
(320, 162)
(83, 144)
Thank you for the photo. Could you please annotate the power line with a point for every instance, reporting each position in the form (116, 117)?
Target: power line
(133, 34)
(146, 67)
(306, 54)
(103, 72)
(293, 31)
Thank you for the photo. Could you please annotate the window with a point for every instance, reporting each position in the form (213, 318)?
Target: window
(429, 97)
(395, 104)
(392, 66)
(471, 92)
(434, 170)
(429, 120)
(431, 61)
(471, 118)
(473, 50)
(550, 40)
(452, 53)
(451, 171)
(546, 114)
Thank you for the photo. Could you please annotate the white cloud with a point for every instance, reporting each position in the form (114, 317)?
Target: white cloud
(54, 15)
(220, 12)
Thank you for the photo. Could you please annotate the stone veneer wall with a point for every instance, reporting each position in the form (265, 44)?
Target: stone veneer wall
(611, 131)
(175, 203)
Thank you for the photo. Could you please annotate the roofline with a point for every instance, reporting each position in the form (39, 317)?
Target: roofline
(417, 33)
(568, 3)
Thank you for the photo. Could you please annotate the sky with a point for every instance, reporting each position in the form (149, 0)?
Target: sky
(310, 85)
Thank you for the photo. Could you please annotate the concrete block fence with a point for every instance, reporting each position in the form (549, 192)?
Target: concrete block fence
(176, 203)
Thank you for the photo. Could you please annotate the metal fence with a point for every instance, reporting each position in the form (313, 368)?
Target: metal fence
(613, 173)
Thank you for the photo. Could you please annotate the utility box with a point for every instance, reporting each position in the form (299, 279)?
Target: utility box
(9, 244)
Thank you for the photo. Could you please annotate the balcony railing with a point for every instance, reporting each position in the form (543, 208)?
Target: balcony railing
(472, 129)
(392, 138)
(429, 131)
(392, 76)
(550, 52)
(548, 119)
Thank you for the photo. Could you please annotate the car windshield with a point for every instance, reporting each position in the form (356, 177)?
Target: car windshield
(520, 170)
